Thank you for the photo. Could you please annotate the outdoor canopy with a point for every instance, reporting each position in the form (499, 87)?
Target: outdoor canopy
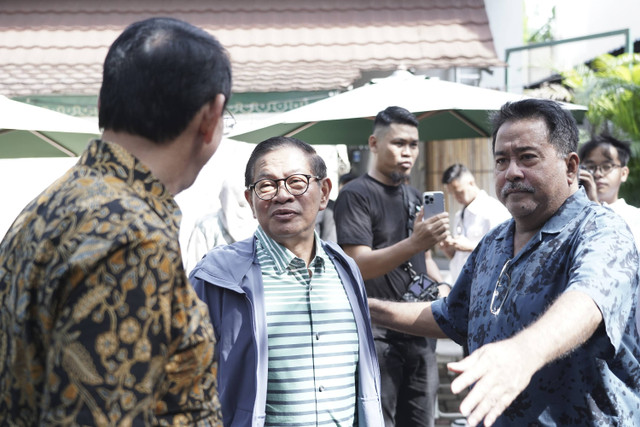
(445, 110)
(30, 131)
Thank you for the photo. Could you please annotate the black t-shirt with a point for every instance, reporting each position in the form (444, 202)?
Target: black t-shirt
(370, 213)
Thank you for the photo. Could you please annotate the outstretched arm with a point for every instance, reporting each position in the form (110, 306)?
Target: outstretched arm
(501, 370)
(409, 317)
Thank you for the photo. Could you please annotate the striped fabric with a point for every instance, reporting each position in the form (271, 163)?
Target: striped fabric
(313, 342)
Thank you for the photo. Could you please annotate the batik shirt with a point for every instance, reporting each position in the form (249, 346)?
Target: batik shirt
(582, 247)
(98, 323)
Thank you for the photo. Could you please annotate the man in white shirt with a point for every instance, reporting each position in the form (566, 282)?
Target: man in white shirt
(603, 169)
(479, 214)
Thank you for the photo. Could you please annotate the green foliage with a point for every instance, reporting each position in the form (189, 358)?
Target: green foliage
(610, 88)
(542, 34)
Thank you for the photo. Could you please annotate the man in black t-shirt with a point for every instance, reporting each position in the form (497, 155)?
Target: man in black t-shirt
(379, 224)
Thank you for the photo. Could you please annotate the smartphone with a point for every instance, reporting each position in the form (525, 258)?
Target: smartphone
(433, 203)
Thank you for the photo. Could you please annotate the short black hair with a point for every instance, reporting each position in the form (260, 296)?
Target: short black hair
(347, 177)
(318, 166)
(454, 172)
(157, 75)
(622, 147)
(562, 127)
(392, 115)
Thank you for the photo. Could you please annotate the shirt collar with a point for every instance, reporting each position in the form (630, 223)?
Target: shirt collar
(473, 207)
(569, 209)
(113, 160)
(558, 221)
(284, 259)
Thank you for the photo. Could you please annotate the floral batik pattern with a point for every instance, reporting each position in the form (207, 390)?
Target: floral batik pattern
(98, 323)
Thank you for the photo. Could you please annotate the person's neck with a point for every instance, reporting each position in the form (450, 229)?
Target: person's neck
(166, 162)
(521, 237)
(609, 200)
(303, 249)
(380, 177)
(475, 196)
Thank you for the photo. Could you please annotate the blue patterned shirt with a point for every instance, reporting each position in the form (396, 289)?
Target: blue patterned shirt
(583, 247)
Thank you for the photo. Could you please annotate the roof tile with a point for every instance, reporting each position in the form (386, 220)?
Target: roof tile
(275, 45)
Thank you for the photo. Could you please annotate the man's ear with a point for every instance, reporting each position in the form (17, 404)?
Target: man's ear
(373, 143)
(248, 198)
(573, 171)
(212, 117)
(325, 190)
(624, 173)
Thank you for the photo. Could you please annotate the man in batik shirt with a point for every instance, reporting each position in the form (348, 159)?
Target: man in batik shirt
(99, 325)
(547, 301)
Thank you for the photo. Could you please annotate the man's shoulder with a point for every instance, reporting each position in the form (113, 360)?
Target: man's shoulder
(586, 220)
(227, 257)
(497, 233)
(359, 189)
(355, 185)
(98, 205)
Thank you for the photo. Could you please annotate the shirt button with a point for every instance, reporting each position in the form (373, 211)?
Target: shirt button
(321, 388)
(317, 336)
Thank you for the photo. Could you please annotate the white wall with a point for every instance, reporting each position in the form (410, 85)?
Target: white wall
(576, 18)
(505, 21)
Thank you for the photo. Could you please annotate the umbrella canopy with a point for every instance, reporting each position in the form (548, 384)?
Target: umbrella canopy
(446, 110)
(30, 131)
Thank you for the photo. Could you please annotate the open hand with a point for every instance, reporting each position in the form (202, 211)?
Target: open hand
(498, 373)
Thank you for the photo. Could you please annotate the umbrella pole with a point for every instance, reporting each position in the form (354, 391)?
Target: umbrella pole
(457, 116)
(468, 123)
(300, 129)
(50, 141)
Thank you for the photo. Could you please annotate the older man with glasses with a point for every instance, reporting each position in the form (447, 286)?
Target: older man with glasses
(547, 301)
(289, 310)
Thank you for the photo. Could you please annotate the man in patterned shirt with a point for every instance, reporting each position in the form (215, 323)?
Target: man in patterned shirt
(547, 301)
(99, 324)
(289, 310)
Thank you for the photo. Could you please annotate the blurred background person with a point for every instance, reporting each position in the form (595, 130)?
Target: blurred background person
(479, 214)
(603, 169)
(233, 222)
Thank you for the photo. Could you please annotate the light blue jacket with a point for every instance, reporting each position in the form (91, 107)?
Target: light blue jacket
(229, 280)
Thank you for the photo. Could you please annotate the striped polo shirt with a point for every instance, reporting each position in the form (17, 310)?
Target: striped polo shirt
(312, 338)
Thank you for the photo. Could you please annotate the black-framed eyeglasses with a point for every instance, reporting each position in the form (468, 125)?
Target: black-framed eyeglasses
(604, 168)
(296, 184)
(501, 291)
(228, 122)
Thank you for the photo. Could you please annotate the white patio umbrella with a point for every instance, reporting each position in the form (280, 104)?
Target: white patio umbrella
(30, 131)
(445, 110)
